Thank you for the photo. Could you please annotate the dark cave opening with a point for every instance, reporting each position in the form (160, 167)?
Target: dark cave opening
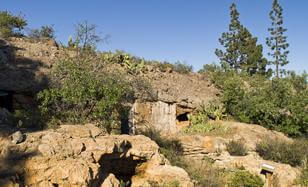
(183, 117)
(6, 100)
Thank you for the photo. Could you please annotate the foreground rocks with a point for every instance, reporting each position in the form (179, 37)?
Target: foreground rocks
(83, 156)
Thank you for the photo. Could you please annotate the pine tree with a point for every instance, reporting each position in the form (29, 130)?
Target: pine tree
(252, 60)
(242, 52)
(277, 41)
(229, 41)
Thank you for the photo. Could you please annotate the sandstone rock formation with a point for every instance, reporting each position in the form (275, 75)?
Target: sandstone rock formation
(83, 156)
(199, 147)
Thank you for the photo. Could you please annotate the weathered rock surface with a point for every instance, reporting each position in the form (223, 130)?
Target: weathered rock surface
(214, 147)
(83, 156)
(17, 137)
(27, 64)
(187, 90)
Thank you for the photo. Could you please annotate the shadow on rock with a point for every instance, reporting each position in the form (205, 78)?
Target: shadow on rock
(118, 165)
(21, 78)
(12, 161)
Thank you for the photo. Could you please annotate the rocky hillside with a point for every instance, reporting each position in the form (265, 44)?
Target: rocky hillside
(25, 65)
(75, 155)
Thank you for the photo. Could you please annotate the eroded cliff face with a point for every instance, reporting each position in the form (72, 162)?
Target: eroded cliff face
(168, 118)
(76, 155)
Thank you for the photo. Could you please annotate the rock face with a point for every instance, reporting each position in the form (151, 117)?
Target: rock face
(187, 90)
(83, 156)
(178, 95)
(27, 64)
(163, 115)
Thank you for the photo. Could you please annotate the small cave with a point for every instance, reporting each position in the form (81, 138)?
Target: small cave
(182, 117)
(6, 100)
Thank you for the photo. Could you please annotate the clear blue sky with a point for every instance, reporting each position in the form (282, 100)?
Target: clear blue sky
(168, 30)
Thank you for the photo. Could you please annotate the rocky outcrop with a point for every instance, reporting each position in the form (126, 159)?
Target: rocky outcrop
(186, 90)
(84, 156)
(199, 147)
(284, 175)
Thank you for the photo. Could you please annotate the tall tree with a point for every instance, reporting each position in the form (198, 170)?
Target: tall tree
(229, 40)
(277, 42)
(241, 49)
(252, 60)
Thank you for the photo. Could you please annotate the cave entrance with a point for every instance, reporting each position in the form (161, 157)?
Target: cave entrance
(183, 117)
(6, 100)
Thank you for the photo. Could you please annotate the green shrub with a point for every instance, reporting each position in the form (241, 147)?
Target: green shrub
(163, 66)
(171, 148)
(200, 124)
(293, 153)
(209, 128)
(303, 178)
(182, 68)
(132, 64)
(80, 94)
(44, 32)
(236, 148)
(204, 173)
(245, 179)
(277, 104)
(11, 25)
(215, 110)
(200, 117)
(27, 118)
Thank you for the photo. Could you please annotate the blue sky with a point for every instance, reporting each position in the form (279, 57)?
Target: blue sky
(168, 30)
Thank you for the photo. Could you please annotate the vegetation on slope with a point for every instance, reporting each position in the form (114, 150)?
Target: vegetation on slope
(277, 104)
(80, 94)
